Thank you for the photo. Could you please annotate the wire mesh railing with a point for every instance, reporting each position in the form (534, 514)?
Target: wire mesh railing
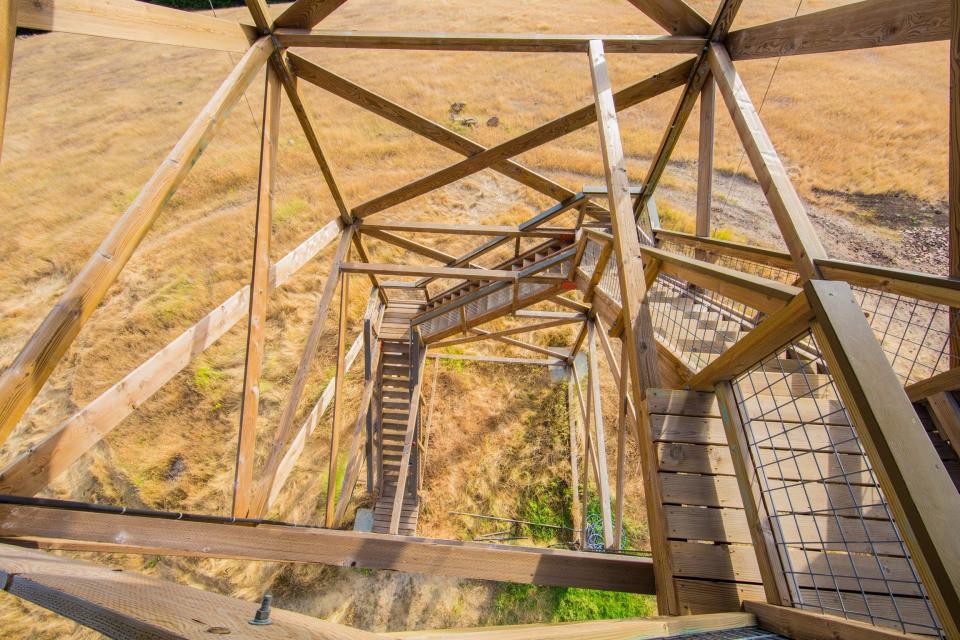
(915, 334)
(836, 539)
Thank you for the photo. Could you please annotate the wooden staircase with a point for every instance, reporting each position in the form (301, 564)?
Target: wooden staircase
(394, 414)
(472, 303)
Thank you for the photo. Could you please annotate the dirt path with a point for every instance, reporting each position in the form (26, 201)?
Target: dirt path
(912, 234)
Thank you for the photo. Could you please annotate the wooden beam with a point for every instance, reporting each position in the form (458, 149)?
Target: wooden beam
(338, 407)
(676, 16)
(23, 379)
(305, 14)
(708, 101)
(595, 411)
(759, 521)
(45, 461)
(138, 21)
(275, 543)
(726, 12)
(809, 625)
(127, 604)
(502, 42)
(453, 273)
(911, 284)
(861, 25)
(574, 454)
(487, 335)
(520, 344)
(953, 221)
(947, 381)
(259, 296)
(510, 231)
(638, 337)
(410, 245)
(418, 124)
(761, 255)
(8, 35)
(622, 398)
(498, 360)
(285, 427)
(493, 243)
(583, 117)
(946, 415)
(912, 477)
(795, 226)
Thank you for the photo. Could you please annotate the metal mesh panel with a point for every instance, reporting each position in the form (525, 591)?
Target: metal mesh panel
(914, 334)
(744, 265)
(840, 548)
(696, 324)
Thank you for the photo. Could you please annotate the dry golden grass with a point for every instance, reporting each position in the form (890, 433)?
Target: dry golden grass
(90, 119)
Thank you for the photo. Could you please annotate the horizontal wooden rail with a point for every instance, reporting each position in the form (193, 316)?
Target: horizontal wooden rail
(453, 273)
(505, 42)
(339, 548)
(138, 21)
(922, 286)
(860, 25)
(469, 229)
(769, 257)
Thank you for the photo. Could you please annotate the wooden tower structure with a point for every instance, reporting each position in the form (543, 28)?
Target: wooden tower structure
(795, 413)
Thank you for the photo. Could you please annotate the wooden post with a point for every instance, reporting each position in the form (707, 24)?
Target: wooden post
(8, 34)
(638, 336)
(621, 452)
(24, 378)
(708, 101)
(595, 415)
(574, 453)
(910, 472)
(259, 295)
(954, 178)
(285, 428)
(338, 408)
(368, 366)
(758, 519)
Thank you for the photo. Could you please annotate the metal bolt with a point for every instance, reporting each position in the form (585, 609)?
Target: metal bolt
(263, 613)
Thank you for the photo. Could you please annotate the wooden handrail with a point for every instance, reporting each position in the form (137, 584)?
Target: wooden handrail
(769, 257)
(401, 486)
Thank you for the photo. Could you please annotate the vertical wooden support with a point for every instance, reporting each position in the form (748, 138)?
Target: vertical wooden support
(8, 34)
(574, 453)
(595, 415)
(621, 452)
(638, 336)
(285, 428)
(708, 102)
(758, 519)
(368, 366)
(23, 379)
(338, 408)
(259, 295)
(954, 222)
(911, 474)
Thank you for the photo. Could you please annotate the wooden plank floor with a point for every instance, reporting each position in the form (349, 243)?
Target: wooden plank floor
(124, 604)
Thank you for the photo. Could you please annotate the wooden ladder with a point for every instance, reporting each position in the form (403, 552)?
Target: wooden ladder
(394, 414)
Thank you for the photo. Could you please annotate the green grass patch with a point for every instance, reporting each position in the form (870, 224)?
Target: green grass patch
(524, 603)
(289, 210)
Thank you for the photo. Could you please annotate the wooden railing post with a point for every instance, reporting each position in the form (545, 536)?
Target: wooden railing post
(916, 485)
(338, 406)
(8, 34)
